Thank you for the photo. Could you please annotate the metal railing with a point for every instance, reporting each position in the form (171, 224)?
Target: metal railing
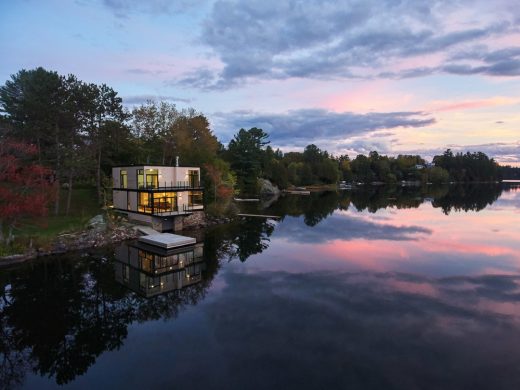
(177, 185)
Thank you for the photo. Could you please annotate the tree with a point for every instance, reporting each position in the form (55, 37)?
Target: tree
(245, 153)
(438, 175)
(65, 118)
(221, 178)
(25, 187)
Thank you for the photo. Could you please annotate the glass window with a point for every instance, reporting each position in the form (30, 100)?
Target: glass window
(152, 178)
(165, 202)
(195, 198)
(193, 179)
(140, 178)
(145, 204)
(123, 179)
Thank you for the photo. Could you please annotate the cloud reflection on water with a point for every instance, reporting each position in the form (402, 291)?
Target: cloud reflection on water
(369, 330)
(346, 227)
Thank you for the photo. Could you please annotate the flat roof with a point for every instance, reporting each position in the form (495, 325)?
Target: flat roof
(153, 166)
(167, 240)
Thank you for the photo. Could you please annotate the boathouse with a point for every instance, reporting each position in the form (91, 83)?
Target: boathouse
(159, 196)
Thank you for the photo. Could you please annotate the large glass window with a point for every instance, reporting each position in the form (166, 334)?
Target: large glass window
(152, 178)
(144, 202)
(158, 202)
(193, 179)
(123, 179)
(140, 178)
(195, 198)
(164, 202)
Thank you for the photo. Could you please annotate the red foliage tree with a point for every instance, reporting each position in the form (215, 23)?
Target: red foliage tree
(26, 188)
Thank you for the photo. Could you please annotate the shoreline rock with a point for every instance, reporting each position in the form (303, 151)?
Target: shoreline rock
(96, 235)
(70, 242)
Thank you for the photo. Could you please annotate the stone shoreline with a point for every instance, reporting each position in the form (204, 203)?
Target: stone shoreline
(90, 238)
(93, 237)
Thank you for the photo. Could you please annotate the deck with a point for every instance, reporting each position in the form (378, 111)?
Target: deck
(167, 240)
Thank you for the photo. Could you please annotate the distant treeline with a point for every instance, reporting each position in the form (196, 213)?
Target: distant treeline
(80, 130)
(507, 172)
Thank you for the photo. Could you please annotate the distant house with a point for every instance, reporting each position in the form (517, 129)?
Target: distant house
(419, 166)
(156, 195)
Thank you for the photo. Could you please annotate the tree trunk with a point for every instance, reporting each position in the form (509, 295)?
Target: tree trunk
(57, 200)
(39, 150)
(10, 236)
(98, 176)
(69, 194)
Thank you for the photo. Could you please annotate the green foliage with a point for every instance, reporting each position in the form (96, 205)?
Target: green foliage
(468, 167)
(162, 133)
(438, 175)
(246, 153)
(508, 172)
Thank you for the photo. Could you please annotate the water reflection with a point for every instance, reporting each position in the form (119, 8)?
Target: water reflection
(366, 214)
(59, 314)
(401, 289)
(368, 331)
(151, 271)
(319, 206)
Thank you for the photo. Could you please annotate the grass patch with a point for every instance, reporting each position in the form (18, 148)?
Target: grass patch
(41, 231)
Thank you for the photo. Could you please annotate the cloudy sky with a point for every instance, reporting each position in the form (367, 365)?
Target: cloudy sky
(397, 76)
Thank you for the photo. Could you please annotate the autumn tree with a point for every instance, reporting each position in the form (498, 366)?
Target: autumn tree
(25, 187)
(67, 119)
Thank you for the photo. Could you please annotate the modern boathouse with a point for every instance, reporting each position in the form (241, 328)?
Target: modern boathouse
(159, 196)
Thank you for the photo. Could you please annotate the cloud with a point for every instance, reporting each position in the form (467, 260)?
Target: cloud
(328, 39)
(140, 99)
(144, 71)
(304, 126)
(474, 104)
(503, 152)
(122, 8)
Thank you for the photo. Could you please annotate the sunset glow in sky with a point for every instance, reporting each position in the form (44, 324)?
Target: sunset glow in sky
(396, 76)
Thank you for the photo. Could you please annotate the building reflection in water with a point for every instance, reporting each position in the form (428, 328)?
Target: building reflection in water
(151, 271)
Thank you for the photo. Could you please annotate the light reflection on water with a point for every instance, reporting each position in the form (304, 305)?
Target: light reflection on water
(403, 290)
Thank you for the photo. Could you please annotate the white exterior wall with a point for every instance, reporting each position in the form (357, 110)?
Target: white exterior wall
(181, 173)
(119, 198)
(168, 176)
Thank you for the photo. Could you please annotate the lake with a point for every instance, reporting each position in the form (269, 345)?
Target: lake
(403, 288)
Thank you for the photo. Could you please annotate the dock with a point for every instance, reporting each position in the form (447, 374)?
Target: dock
(167, 240)
(259, 216)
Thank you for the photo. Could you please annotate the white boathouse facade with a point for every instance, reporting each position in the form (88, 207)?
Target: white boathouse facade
(157, 195)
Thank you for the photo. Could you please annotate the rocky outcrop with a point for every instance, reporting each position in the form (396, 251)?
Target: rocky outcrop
(267, 188)
(195, 220)
(91, 238)
(199, 220)
(100, 233)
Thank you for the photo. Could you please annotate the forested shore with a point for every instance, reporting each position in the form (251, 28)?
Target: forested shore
(58, 134)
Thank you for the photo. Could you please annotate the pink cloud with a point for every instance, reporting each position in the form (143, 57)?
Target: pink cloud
(441, 106)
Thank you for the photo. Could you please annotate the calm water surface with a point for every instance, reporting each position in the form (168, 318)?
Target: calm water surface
(375, 289)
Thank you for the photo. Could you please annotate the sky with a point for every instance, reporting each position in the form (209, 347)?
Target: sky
(396, 76)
